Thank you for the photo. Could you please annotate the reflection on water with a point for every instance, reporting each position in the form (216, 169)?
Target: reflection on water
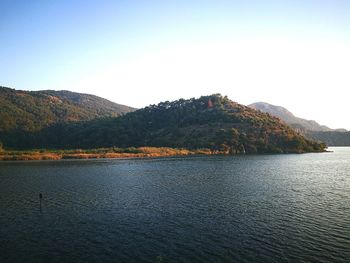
(196, 209)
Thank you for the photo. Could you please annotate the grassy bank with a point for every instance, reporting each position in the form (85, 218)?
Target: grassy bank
(43, 154)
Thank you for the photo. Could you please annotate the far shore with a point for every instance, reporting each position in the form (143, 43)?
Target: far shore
(101, 153)
(108, 153)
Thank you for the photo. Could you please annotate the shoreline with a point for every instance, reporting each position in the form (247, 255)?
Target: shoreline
(112, 153)
(103, 153)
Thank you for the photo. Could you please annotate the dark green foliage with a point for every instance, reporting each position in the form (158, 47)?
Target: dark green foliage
(212, 122)
(34, 110)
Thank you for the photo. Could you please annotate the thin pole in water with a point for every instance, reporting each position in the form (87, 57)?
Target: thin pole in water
(40, 197)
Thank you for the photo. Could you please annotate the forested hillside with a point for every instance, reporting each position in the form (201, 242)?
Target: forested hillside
(213, 122)
(34, 110)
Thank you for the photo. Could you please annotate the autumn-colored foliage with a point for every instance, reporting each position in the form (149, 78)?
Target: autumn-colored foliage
(100, 153)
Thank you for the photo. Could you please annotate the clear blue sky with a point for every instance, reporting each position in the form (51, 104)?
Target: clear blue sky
(290, 53)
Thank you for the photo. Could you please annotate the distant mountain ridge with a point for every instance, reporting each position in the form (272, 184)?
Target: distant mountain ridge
(288, 117)
(35, 110)
(212, 122)
(310, 128)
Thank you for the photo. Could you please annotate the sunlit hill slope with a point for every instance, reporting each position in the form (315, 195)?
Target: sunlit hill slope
(213, 122)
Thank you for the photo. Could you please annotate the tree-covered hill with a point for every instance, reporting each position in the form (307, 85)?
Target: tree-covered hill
(35, 110)
(213, 122)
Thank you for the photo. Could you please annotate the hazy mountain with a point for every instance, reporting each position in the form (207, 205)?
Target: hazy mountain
(311, 129)
(331, 138)
(34, 110)
(208, 122)
(289, 118)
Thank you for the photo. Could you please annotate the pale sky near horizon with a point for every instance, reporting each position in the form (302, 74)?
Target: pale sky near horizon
(295, 54)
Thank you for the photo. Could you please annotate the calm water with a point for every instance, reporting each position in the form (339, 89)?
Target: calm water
(272, 208)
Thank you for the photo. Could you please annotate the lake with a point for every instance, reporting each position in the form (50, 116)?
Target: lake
(258, 208)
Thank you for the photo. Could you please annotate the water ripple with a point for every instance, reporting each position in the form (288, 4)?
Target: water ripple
(274, 208)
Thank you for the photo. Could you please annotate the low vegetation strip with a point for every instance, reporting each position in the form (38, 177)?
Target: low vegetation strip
(100, 153)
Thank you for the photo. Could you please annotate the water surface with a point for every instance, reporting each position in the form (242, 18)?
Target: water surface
(267, 208)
